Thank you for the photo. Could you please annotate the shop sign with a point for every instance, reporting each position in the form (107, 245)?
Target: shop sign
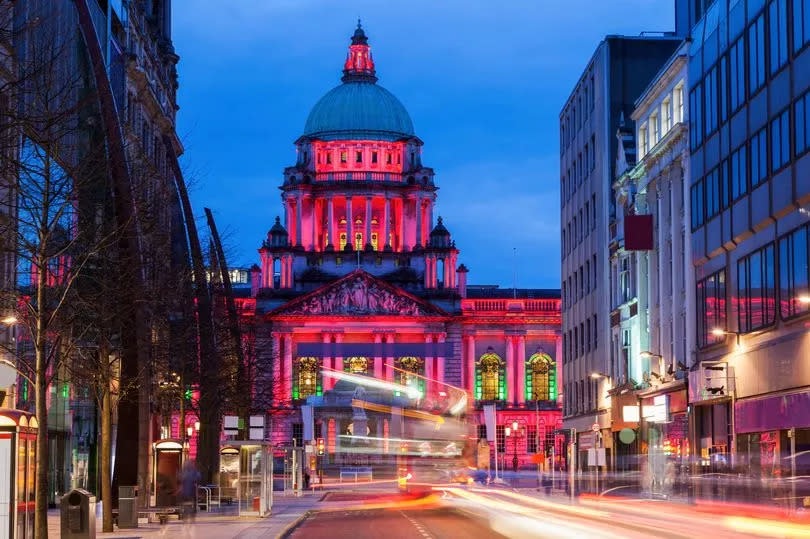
(587, 440)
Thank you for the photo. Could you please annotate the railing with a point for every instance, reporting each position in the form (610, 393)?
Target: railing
(358, 176)
(205, 497)
(356, 472)
(499, 305)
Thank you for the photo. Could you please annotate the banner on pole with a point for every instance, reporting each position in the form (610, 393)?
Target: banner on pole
(489, 419)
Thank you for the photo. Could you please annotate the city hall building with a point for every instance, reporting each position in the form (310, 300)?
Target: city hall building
(360, 277)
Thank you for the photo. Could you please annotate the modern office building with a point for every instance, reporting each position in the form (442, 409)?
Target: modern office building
(651, 276)
(615, 76)
(749, 71)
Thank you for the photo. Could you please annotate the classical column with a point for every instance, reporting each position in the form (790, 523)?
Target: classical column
(328, 381)
(428, 367)
(378, 366)
(349, 223)
(331, 226)
(558, 363)
(339, 359)
(521, 371)
(418, 218)
(446, 277)
(429, 219)
(288, 216)
(287, 375)
(440, 361)
(313, 214)
(470, 363)
(401, 224)
(276, 367)
(510, 369)
(389, 371)
(299, 206)
(387, 228)
(427, 271)
(367, 235)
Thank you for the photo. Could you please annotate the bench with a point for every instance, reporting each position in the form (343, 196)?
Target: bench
(161, 513)
(356, 472)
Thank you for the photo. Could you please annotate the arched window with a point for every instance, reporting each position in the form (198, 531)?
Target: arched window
(489, 377)
(307, 379)
(413, 366)
(356, 365)
(541, 378)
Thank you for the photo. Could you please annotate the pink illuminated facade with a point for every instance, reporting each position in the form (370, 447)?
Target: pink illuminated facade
(359, 276)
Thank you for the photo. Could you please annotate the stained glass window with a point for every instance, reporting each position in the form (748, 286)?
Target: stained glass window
(489, 379)
(541, 378)
(307, 379)
(356, 365)
(414, 366)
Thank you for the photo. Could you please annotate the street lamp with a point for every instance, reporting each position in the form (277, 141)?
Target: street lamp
(719, 332)
(9, 320)
(515, 432)
(804, 300)
(597, 375)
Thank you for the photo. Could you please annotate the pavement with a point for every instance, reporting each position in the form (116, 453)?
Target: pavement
(286, 511)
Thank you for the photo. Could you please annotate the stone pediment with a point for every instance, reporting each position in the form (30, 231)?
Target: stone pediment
(358, 294)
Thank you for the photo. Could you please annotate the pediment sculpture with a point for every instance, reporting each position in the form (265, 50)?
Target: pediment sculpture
(358, 296)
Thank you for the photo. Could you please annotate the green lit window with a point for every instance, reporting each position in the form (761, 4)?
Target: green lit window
(307, 379)
(490, 376)
(541, 378)
(356, 365)
(415, 368)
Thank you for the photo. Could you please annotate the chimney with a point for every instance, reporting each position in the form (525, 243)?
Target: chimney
(462, 280)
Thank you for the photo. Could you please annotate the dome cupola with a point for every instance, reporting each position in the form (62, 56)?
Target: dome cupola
(439, 236)
(277, 236)
(359, 109)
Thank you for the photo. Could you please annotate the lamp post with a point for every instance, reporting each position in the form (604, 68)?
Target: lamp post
(515, 432)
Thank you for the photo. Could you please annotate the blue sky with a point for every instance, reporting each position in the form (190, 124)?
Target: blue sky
(483, 82)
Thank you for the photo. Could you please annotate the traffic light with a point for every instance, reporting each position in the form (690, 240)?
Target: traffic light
(321, 446)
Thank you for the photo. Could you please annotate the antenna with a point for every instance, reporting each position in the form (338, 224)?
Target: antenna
(358, 259)
(514, 272)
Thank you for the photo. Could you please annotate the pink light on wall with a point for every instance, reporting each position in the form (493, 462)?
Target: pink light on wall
(358, 156)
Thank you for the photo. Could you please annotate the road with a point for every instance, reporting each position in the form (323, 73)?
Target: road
(431, 523)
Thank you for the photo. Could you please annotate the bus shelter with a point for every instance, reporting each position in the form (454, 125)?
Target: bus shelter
(246, 471)
(18, 455)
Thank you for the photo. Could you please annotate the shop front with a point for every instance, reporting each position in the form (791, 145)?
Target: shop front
(664, 446)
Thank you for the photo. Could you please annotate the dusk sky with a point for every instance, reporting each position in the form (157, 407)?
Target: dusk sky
(484, 82)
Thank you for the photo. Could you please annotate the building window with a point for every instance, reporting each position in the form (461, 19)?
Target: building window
(531, 438)
(756, 291)
(358, 241)
(588, 335)
(715, 193)
(697, 205)
(643, 141)
(342, 240)
(711, 305)
(780, 140)
(696, 116)
(756, 54)
(411, 375)
(801, 121)
(736, 55)
(356, 365)
(738, 172)
(778, 19)
(722, 74)
(801, 23)
(678, 109)
(794, 272)
(758, 150)
(593, 152)
(482, 432)
(654, 130)
(490, 376)
(298, 433)
(358, 157)
(541, 378)
(666, 116)
(710, 104)
(374, 157)
(595, 333)
(344, 156)
(328, 158)
(624, 280)
(307, 379)
(500, 436)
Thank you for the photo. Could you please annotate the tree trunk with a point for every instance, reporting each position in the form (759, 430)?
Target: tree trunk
(106, 439)
(41, 383)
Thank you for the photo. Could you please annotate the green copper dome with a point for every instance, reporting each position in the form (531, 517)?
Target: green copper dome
(359, 108)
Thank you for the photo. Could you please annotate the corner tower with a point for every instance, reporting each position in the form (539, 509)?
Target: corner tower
(358, 186)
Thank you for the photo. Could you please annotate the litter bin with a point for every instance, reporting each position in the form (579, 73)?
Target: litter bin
(128, 507)
(78, 515)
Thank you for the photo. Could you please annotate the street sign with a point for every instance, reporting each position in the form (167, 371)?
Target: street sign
(595, 427)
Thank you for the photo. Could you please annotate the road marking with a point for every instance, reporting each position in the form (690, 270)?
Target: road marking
(418, 526)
